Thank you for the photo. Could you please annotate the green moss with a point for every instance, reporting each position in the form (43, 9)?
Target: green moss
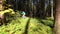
(18, 26)
(38, 28)
(48, 22)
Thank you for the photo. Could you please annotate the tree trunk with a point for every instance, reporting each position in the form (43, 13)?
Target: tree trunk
(1, 7)
(57, 18)
(1, 15)
(51, 8)
(43, 12)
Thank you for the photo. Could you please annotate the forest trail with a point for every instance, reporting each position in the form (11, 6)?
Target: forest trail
(25, 26)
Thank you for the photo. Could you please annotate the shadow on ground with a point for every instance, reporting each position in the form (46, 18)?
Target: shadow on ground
(27, 26)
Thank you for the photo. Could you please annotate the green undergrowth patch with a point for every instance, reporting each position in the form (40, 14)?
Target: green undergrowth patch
(48, 21)
(36, 27)
(18, 26)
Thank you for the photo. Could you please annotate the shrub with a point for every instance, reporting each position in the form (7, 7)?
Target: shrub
(48, 21)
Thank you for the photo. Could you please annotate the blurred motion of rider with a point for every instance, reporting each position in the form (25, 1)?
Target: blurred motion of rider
(23, 14)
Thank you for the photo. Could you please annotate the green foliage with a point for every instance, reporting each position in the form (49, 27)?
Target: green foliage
(8, 14)
(37, 27)
(49, 22)
(12, 15)
(9, 11)
(17, 26)
(17, 14)
(50, 18)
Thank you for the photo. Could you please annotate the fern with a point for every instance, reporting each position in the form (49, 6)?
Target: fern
(10, 11)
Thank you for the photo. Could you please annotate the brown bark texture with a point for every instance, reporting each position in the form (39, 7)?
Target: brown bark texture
(57, 18)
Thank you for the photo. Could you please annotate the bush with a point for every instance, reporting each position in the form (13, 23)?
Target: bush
(36, 27)
(12, 16)
(48, 21)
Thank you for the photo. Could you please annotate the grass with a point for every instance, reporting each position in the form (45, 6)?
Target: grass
(18, 26)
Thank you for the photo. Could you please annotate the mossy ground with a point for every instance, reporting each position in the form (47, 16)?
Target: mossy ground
(19, 25)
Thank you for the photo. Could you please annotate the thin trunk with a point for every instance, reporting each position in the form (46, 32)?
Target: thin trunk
(51, 8)
(1, 5)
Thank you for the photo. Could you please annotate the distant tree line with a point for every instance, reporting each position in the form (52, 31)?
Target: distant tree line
(34, 8)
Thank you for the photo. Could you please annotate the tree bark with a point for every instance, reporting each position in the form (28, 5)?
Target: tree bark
(57, 18)
(1, 7)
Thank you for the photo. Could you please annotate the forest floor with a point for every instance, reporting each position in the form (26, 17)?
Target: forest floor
(25, 26)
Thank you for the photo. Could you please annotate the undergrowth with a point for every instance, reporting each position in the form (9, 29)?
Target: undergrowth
(18, 25)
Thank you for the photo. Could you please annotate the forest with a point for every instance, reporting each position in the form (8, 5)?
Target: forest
(29, 17)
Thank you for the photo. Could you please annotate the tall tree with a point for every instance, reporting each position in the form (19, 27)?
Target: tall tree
(43, 13)
(51, 8)
(57, 18)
